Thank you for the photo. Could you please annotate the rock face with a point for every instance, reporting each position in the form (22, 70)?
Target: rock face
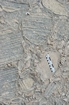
(8, 79)
(10, 47)
(29, 30)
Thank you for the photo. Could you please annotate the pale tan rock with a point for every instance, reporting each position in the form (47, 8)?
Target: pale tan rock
(29, 94)
(54, 6)
(58, 73)
(21, 86)
(2, 20)
(7, 9)
(63, 60)
(28, 82)
(13, 104)
(29, 103)
(43, 67)
(47, 82)
(27, 64)
(33, 103)
(25, 86)
(20, 65)
(6, 31)
(60, 45)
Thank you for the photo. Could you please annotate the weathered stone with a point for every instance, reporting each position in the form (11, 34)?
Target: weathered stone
(51, 89)
(33, 103)
(28, 82)
(30, 29)
(8, 79)
(10, 50)
(55, 7)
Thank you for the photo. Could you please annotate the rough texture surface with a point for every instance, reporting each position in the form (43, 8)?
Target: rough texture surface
(30, 29)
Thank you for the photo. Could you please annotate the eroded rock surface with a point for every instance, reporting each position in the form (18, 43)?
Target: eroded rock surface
(29, 30)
